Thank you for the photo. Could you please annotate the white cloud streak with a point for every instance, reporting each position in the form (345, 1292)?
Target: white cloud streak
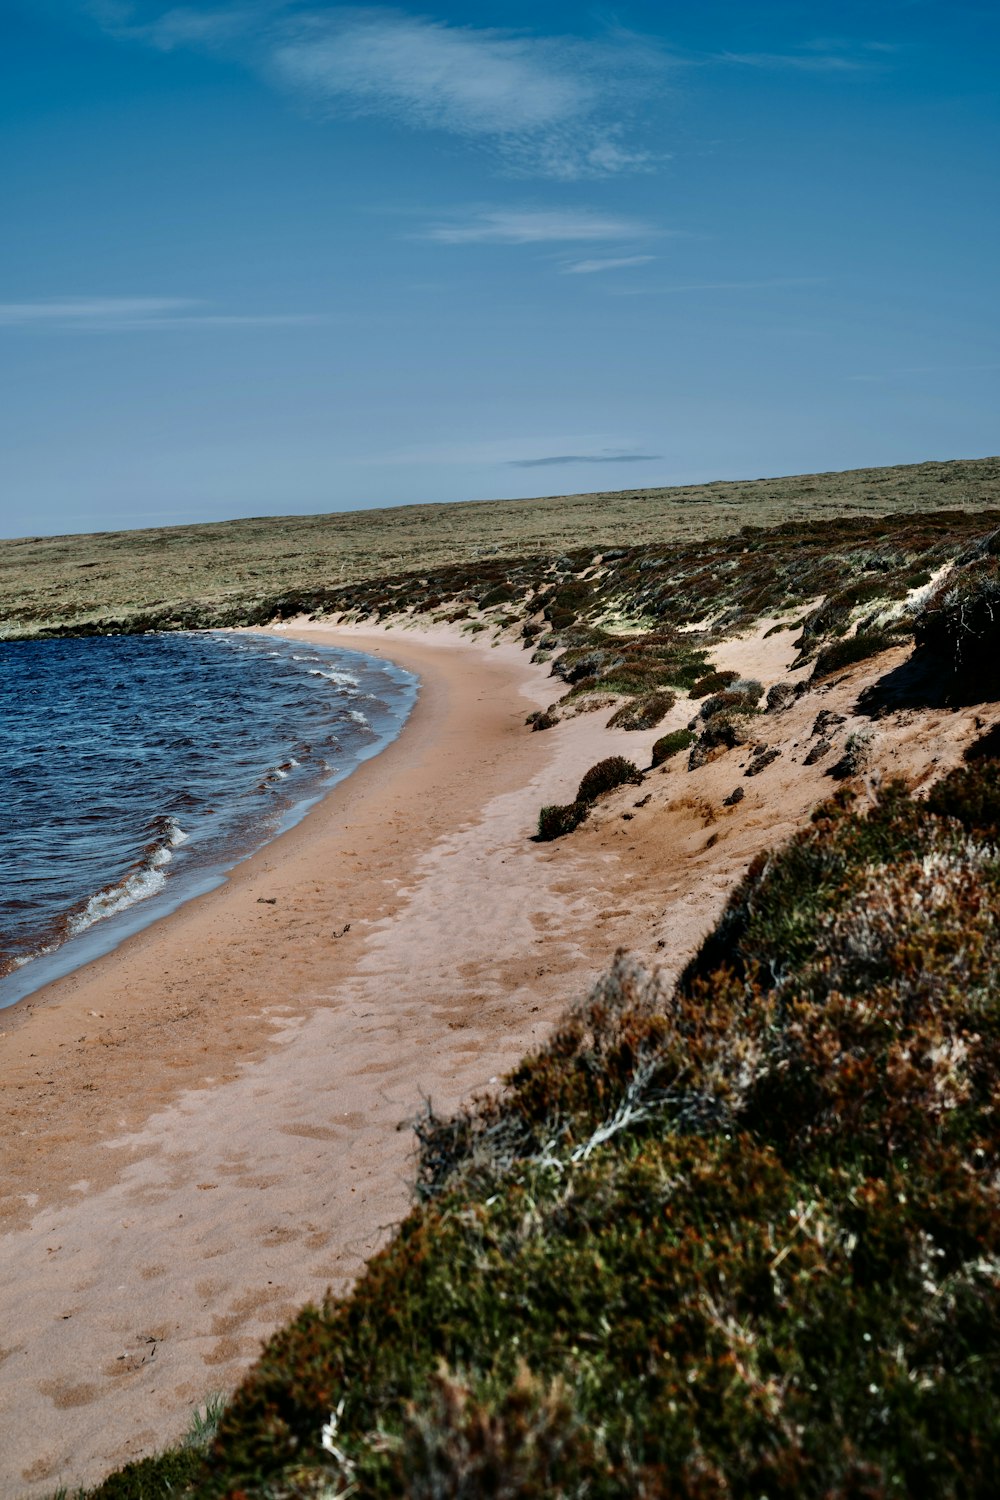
(612, 263)
(535, 227)
(551, 106)
(134, 314)
(774, 283)
(824, 55)
(558, 460)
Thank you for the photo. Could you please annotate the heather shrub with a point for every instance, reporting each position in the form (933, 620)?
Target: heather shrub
(643, 713)
(671, 744)
(854, 648)
(741, 697)
(607, 774)
(558, 819)
(712, 682)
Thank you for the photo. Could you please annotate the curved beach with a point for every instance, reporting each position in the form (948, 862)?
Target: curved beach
(207, 1127)
(210, 1126)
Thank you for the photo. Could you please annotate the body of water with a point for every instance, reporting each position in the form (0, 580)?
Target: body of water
(136, 770)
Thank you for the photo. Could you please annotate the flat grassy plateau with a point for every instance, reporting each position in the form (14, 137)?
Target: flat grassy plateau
(235, 571)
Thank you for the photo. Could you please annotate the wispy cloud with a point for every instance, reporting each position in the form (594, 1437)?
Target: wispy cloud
(822, 55)
(773, 283)
(612, 263)
(134, 314)
(554, 106)
(534, 227)
(555, 460)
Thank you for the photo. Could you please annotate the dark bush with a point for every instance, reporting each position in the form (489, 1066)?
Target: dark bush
(960, 625)
(558, 819)
(606, 775)
(987, 747)
(725, 730)
(671, 744)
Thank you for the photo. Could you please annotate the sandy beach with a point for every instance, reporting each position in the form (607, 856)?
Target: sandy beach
(210, 1126)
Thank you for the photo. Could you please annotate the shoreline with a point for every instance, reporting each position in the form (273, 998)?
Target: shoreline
(85, 943)
(384, 950)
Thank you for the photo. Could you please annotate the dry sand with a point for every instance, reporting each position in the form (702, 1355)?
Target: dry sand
(209, 1126)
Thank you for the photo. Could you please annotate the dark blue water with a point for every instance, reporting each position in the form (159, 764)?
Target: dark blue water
(135, 770)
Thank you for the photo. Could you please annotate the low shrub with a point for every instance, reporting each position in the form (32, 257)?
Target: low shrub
(542, 718)
(643, 713)
(854, 648)
(725, 730)
(713, 682)
(558, 819)
(672, 744)
(606, 775)
(741, 697)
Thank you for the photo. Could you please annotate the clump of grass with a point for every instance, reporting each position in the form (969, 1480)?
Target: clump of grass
(671, 744)
(643, 713)
(856, 757)
(172, 1475)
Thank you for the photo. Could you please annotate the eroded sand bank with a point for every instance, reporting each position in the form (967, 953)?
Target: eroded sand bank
(208, 1127)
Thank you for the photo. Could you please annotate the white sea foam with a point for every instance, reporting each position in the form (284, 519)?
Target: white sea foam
(146, 881)
(139, 886)
(342, 679)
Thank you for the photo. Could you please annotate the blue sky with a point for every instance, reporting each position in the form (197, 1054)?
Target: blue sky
(269, 257)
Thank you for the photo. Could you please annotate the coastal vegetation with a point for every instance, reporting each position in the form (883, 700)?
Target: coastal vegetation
(739, 1235)
(740, 1238)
